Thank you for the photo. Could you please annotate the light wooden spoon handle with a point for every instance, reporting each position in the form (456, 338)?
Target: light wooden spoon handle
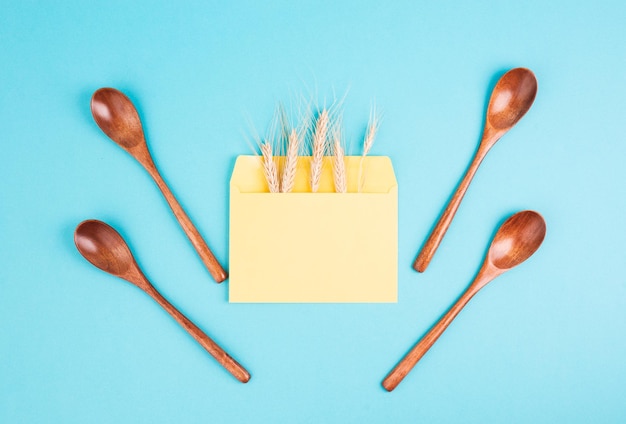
(232, 366)
(433, 241)
(419, 350)
(208, 258)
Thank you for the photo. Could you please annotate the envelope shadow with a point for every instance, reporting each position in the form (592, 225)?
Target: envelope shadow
(226, 262)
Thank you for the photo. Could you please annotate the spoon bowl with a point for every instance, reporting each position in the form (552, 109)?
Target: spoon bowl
(117, 117)
(511, 98)
(515, 241)
(104, 248)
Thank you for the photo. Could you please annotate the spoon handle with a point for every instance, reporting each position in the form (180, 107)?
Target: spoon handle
(419, 350)
(215, 269)
(433, 241)
(232, 366)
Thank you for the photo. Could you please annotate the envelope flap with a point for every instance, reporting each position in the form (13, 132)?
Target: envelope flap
(247, 176)
(375, 172)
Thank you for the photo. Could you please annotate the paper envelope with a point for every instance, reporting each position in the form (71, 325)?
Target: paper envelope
(314, 247)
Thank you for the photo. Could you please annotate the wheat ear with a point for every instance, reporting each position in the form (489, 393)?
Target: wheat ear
(291, 162)
(319, 148)
(339, 166)
(269, 168)
(370, 135)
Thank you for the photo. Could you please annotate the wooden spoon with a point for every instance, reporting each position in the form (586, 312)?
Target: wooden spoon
(101, 245)
(516, 240)
(510, 100)
(117, 117)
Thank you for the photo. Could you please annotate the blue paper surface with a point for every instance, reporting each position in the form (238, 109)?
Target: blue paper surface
(544, 343)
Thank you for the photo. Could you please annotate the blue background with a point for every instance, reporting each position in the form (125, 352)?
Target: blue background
(546, 342)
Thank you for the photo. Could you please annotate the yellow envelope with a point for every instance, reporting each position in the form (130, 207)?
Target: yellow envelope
(314, 247)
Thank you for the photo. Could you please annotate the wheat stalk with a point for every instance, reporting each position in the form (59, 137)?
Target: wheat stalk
(291, 162)
(339, 165)
(368, 141)
(269, 168)
(319, 148)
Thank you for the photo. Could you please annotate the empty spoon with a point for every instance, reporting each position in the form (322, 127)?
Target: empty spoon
(516, 240)
(101, 245)
(510, 100)
(117, 117)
